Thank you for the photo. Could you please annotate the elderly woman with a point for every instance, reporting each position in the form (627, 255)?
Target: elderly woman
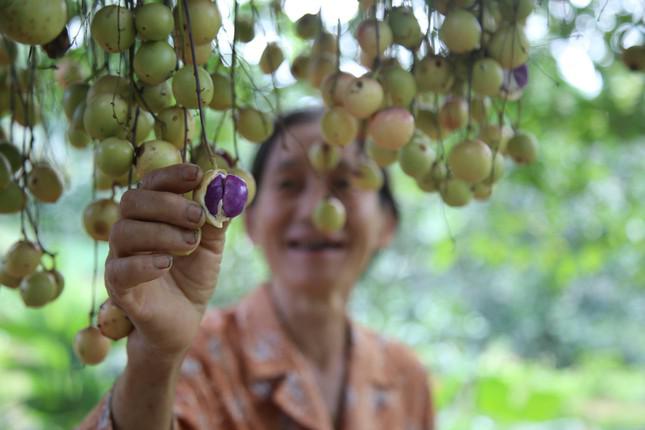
(288, 356)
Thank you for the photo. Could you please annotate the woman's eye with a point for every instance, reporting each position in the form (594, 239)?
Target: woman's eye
(287, 184)
(342, 184)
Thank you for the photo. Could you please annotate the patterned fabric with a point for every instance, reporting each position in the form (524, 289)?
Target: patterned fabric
(243, 373)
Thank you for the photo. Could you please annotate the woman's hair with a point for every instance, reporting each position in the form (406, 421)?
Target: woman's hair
(304, 116)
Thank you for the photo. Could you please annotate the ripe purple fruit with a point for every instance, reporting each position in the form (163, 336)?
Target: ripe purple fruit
(222, 195)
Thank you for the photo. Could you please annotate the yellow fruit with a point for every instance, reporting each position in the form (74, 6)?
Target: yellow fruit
(90, 346)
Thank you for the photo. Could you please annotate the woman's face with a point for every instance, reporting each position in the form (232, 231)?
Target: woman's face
(280, 220)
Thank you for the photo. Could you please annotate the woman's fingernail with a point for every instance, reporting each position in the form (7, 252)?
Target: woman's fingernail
(163, 261)
(191, 237)
(195, 213)
(191, 172)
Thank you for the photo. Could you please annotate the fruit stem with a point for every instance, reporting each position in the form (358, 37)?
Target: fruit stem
(232, 79)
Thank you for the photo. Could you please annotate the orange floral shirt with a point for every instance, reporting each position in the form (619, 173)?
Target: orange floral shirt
(243, 373)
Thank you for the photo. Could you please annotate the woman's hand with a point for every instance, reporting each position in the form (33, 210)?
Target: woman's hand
(163, 263)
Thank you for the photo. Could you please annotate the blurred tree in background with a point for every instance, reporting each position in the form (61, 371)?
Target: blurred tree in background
(529, 309)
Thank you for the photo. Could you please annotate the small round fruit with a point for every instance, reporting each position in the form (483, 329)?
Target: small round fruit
(244, 29)
(416, 157)
(184, 87)
(44, 183)
(427, 183)
(8, 280)
(364, 97)
(114, 156)
(329, 215)
(12, 154)
(59, 283)
(26, 112)
(334, 87)
(323, 157)
(382, 156)
(104, 182)
(373, 36)
(154, 62)
(470, 161)
(399, 86)
(338, 126)
(522, 148)
(174, 125)
(222, 93)
(113, 323)
(455, 192)
(205, 21)
(325, 43)
(202, 53)
(428, 122)
(155, 98)
(37, 289)
(99, 217)
(391, 128)
(105, 115)
(12, 199)
(271, 58)
(33, 22)
(253, 125)
(453, 114)
(153, 21)
(482, 191)
(144, 125)
(516, 10)
(90, 346)
(113, 28)
(319, 67)
(22, 259)
(308, 26)
(461, 31)
(155, 154)
(405, 27)
(110, 85)
(367, 175)
(509, 46)
(73, 96)
(488, 77)
(495, 136)
(434, 74)
(223, 196)
(300, 67)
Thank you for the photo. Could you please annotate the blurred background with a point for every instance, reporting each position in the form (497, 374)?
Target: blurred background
(528, 309)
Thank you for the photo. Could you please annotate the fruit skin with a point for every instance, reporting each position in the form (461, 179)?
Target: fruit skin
(99, 217)
(391, 128)
(334, 87)
(73, 96)
(113, 323)
(253, 125)
(44, 183)
(155, 98)
(323, 158)
(105, 115)
(522, 148)
(405, 27)
(374, 37)
(308, 26)
(171, 126)
(364, 96)
(90, 346)
(399, 86)
(471, 161)
(516, 10)
(153, 21)
(110, 85)
(434, 74)
(114, 156)
(244, 29)
(113, 28)
(416, 157)
(6, 279)
(37, 289)
(184, 87)
(12, 199)
(205, 20)
(455, 192)
(22, 259)
(222, 94)
(338, 126)
(59, 283)
(368, 175)
(488, 77)
(300, 67)
(155, 154)
(461, 31)
(271, 58)
(453, 114)
(382, 156)
(319, 67)
(223, 196)
(509, 46)
(32, 22)
(12, 154)
(329, 215)
(154, 62)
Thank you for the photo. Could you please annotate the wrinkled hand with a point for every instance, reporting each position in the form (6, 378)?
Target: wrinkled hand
(163, 262)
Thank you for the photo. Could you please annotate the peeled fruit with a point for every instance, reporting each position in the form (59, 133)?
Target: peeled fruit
(22, 259)
(308, 26)
(114, 156)
(338, 126)
(105, 115)
(434, 74)
(453, 114)
(90, 346)
(244, 29)
(205, 21)
(405, 27)
(174, 126)
(44, 183)
(455, 192)
(184, 87)
(382, 156)
(8, 280)
(329, 215)
(522, 148)
(391, 128)
(470, 161)
(323, 157)
(222, 94)
(509, 46)
(33, 22)
(334, 87)
(634, 58)
(364, 97)
(37, 289)
(113, 323)
(253, 125)
(373, 36)
(5, 172)
(12, 154)
(153, 21)
(487, 77)
(154, 62)
(12, 199)
(416, 157)
(461, 31)
(247, 177)
(399, 86)
(156, 154)
(59, 283)
(367, 175)
(99, 217)
(155, 98)
(223, 196)
(271, 58)
(73, 96)
(113, 28)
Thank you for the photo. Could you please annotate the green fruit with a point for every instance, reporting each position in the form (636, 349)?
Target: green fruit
(154, 62)
(497, 171)
(205, 21)
(434, 74)
(495, 136)
(104, 182)
(244, 29)
(374, 36)
(12, 199)
(271, 58)
(59, 282)
(482, 191)
(428, 122)
(455, 193)
(113, 28)
(461, 31)
(5, 172)
(308, 26)
(416, 157)
(105, 116)
(172, 127)
(405, 27)
(338, 126)
(114, 156)
(184, 87)
(488, 77)
(153, 21)
(453, 114)
(37, 289)
(99, 217)
(32, 22)
(516, 10)
(334, 87)
(522, 148)
(382, 156)
(110, 85)
(509, 46)
(185, 52)
(364, 97)
(22, 259)
(320, 66)
(471, 161)
(144, 124)
(368, 175)
(399, 86)
(156, 154)
(155, 98)
(323, 157)
(26, 112)
(222, 94)
(300, 67)
(253, 125)
(76, 134)
(6, 279)
(427, 183)
(73, 96)
(44, 183)
(329, 216)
